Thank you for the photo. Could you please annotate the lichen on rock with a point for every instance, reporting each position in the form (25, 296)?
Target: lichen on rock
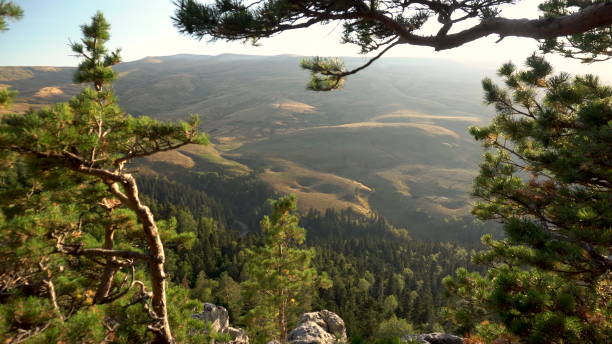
(322, 327)
(218, 317)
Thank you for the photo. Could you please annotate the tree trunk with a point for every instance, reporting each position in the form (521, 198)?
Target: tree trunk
(110, 269)
(282, 323)
(129, 196)
(156, 265)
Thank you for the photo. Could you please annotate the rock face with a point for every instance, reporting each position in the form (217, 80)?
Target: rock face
(322, 327)
(218, 317)
(432, 338)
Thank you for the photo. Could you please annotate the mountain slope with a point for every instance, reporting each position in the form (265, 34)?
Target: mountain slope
(394, 141)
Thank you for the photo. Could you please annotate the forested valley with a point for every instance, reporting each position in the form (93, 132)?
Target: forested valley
(378, 271)
(380, 204)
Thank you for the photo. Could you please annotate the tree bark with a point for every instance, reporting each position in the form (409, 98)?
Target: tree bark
(598, 15)
(156, 251)
(110, 269)
(282, 321)
(130, 197)
(53, 297)
(592, 17)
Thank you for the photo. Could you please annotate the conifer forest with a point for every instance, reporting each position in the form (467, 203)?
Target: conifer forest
(268, 197)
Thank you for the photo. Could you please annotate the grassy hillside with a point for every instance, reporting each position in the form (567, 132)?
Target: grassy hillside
(394, 141)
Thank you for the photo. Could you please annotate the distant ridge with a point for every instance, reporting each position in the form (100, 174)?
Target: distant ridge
(394, 141)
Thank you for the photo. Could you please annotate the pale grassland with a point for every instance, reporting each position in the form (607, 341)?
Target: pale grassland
(172, 157)
(444, 191)
(429, 129)
(296, 107)
(210, 155)
(400, 133)
(49, 91)
(405, 114)
(315, 189)
(15, 73)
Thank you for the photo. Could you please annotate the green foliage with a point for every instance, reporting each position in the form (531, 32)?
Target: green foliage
(381, 25)
(369, 25)
(230, 293)
(185, 328)
(326, 73)
(390, 304)
(9, 10)
(280, 276)
(36, 207)
(75, 235)
(393, 328)
(6, 96)
(372, 267)
(204, 288)
(97, 61)
(351, 248)
(241, 20)
(589, 46)
(546, 177)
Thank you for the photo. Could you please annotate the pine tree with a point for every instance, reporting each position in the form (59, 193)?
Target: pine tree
(280, 276)
(6, 97)
(393, 328)
(546, 176)
(590, 46)
(69, 164)
(378, 26)
(229, 293)
(8, 11)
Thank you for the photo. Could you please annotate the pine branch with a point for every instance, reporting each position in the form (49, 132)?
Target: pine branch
(592, 17)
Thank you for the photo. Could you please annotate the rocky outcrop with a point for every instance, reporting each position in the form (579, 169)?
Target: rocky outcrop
(218, 317)
(322, 327)
(432, 338)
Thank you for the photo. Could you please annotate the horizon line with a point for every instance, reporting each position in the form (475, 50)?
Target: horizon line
(253, 55)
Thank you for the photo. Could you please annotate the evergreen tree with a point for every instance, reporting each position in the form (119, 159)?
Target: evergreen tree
(230, 294)
(547, 178)
(8, 10)
(381, 25)
(204, 287)
(280, 276)
(393, 328)
(367, 259)
(589, 46)
(6, 96)
(75, 202)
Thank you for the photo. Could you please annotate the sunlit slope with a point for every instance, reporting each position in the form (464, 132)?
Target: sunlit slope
(193, 158)
(393, 141)
(316, 189)
(37, 86)
(408, 165)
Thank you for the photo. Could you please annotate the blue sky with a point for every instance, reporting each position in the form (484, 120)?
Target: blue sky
(144, 28)
(140, 27)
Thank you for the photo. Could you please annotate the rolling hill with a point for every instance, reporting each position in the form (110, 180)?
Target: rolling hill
(393, 141)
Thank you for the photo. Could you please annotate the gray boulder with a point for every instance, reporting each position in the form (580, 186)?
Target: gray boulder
(432, 338)
(218, 317)
(322, 327)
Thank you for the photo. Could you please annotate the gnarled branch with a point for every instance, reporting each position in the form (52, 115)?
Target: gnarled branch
(595, 16)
